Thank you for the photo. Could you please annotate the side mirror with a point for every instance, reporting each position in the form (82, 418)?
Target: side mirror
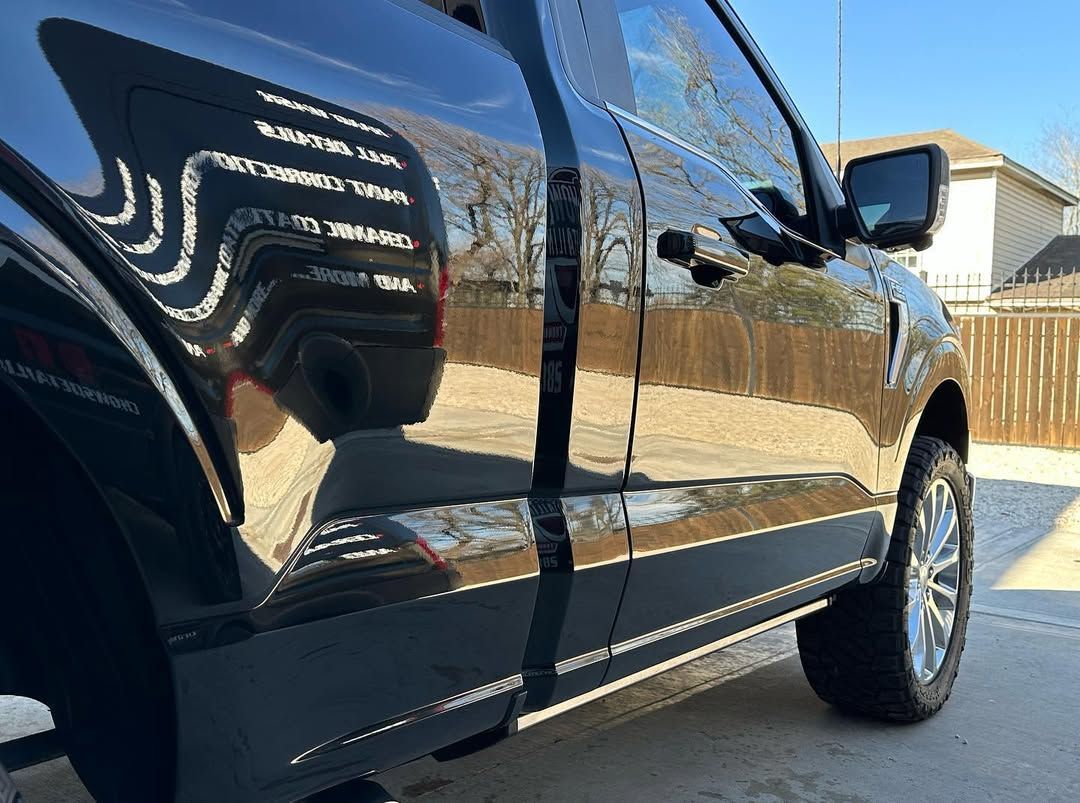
(898, 198)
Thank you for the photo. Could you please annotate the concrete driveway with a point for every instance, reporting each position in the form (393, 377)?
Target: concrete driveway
(744, 725)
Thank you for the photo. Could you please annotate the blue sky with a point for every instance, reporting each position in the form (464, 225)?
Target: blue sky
(992, 70)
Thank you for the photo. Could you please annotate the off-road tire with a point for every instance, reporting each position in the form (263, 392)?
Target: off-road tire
(89, 646)
(855, 653)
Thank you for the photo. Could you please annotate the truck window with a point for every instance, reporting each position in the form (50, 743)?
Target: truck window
(466, 11)
(690, 78)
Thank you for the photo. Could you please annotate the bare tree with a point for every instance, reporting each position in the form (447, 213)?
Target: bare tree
(1059, 157)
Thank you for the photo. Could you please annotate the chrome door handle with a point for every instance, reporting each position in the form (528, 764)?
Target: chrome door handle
(698, 251)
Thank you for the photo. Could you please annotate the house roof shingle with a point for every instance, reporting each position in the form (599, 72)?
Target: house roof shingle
(1059, 257)
(958, 147)
(1051, 278)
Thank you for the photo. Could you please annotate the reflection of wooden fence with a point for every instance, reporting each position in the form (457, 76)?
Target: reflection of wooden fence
(1024, 378)
(1025, 370)
(692, 348)
(502, 337)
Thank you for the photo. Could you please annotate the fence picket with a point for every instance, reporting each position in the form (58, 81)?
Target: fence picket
(1025, 378)
(1022, 393)
(1068, 429)
(1046, 382)
(1061, 357)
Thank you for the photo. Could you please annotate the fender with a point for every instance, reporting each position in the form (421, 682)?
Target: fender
(74, 357)
(936, 357)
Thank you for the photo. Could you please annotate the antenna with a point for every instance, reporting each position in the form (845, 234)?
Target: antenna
(839, 75)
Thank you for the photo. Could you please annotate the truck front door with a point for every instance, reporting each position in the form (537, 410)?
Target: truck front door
(754, 455)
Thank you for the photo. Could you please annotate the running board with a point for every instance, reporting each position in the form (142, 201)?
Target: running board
(536, 717)
(26, 751)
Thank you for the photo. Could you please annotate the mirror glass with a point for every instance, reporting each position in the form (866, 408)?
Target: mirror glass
(892, 194)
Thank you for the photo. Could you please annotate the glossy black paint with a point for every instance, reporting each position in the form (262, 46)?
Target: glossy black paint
(584, 555)
(354, 315)
(731, 387)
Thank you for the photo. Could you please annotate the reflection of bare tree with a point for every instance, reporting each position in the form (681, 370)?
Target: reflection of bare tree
(723, 108)
(682, 187)
(610, 252)
(493, 199)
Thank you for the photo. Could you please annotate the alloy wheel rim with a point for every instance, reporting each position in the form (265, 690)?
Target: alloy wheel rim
(933, 580)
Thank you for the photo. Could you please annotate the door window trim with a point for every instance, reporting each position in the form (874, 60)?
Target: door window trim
(679, 142)
(444, 20)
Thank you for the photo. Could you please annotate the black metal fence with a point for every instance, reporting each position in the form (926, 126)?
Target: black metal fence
(1055, 292)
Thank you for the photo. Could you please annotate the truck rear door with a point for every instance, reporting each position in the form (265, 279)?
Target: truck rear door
(332, 215)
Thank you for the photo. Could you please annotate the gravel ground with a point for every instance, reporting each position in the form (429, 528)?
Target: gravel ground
(1025, 485)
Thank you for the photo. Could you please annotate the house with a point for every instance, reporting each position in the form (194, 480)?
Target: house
(1000, 214)
(1048, 282)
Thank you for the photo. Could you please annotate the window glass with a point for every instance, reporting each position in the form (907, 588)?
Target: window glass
(909, 258)
(691, 79)
(467, 11)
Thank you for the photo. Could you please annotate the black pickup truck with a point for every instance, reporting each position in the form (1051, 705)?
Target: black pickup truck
(381, 378)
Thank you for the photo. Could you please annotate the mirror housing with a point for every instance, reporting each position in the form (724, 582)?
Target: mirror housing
(897, 199)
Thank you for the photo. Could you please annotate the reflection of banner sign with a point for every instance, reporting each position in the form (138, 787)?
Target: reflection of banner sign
(327, 144)
(308, 178)
(48, 379)
(564, 215)
(307, 108)
(549, 525)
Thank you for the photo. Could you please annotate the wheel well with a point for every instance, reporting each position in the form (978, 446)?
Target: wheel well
(75, 616)
(945, 417)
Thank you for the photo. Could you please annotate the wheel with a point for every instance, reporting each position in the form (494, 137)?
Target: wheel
(92, 652)
(8, 792)
(892, 649)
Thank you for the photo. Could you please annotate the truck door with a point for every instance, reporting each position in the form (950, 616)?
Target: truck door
(330, 217)
(753, 462)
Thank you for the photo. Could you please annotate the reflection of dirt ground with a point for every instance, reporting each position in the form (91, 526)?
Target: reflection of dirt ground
(682, 431)
(486, 410)
(482, 410)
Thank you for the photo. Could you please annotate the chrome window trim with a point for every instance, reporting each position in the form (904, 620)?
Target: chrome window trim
(674, 139)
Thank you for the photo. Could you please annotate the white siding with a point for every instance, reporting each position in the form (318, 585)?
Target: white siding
(962, 251)
(1024, 221)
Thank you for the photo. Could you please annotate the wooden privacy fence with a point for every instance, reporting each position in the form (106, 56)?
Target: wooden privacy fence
(1025, 382)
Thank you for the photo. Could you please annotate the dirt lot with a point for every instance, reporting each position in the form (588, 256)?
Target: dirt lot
(743, 724)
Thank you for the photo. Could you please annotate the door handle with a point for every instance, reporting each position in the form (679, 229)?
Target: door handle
(710, 260)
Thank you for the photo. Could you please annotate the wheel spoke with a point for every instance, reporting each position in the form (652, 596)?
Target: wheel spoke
(917, 541)
(942, 502)
(914, 617)
(928, 523)
(939, 587)
(929, 643)
(945, 561)
(916, 639)
(938, 619)
(943, 533)
(941, 622)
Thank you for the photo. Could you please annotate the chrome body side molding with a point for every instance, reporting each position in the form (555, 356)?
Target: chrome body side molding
(728, 610)
(416, 715)
(536, 717)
